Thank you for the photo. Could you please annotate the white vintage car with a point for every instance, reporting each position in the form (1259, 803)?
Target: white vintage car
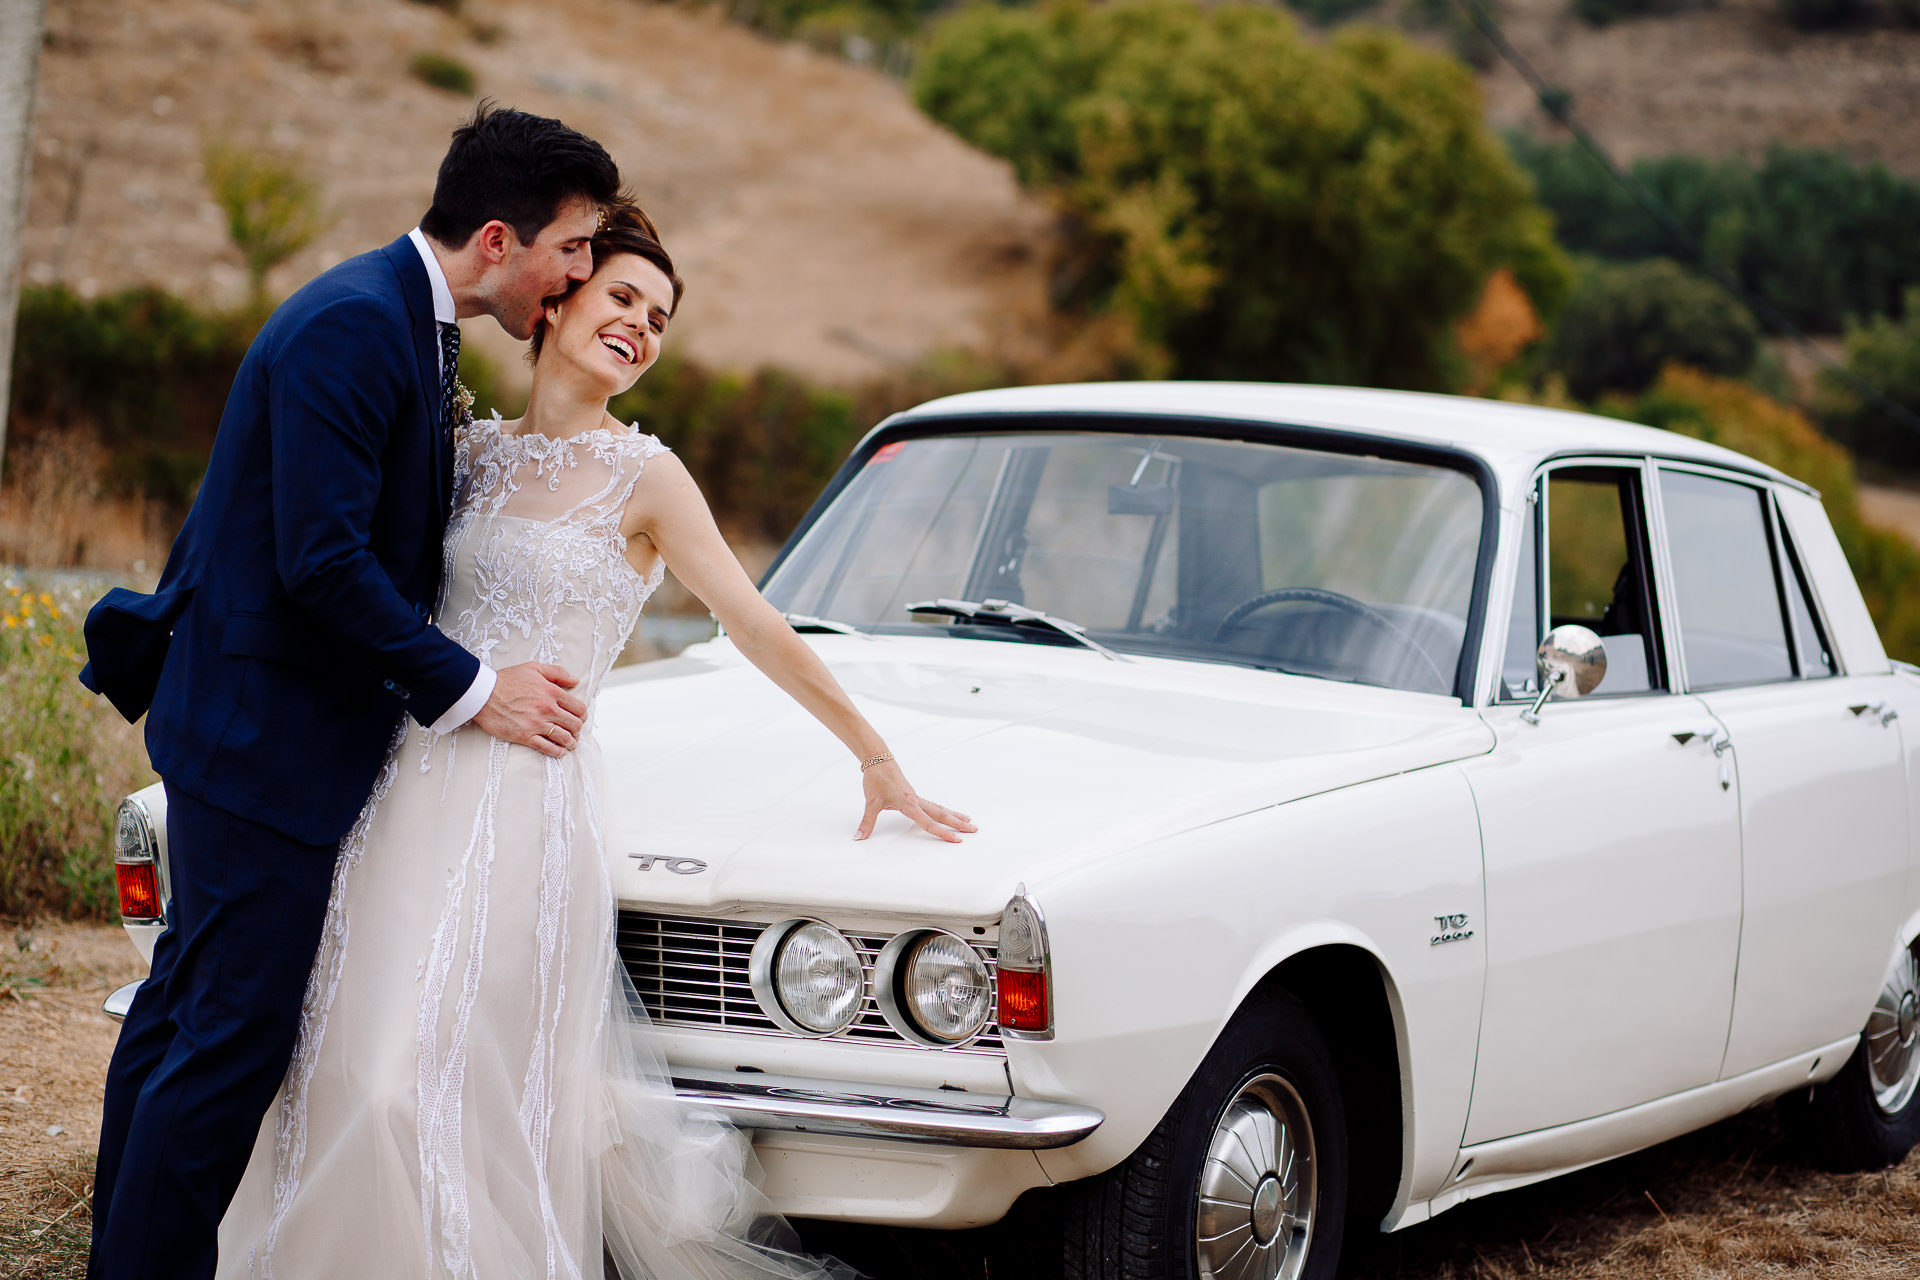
(1384, 800)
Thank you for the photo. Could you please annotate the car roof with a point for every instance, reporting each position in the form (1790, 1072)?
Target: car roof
(1512, 438)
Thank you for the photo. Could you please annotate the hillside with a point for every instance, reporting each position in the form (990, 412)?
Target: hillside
(1721, 78)
(821, 222)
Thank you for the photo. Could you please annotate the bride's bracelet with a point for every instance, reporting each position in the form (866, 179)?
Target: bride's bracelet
(883, 758)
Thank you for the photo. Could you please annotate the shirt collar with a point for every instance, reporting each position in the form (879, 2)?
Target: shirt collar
(436, 278)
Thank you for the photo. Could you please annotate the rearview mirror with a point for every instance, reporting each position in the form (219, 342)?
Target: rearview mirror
(1139, 499)
(1571, 661)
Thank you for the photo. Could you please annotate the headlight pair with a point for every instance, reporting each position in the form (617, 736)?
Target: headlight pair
(931, 986)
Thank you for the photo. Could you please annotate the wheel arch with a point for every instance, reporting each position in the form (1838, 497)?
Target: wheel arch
(1352, 997)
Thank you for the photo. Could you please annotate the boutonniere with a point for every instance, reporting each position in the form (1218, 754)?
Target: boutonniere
(463, 400)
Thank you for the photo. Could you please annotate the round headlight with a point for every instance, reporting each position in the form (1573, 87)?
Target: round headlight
(945, 988)
(817, 977)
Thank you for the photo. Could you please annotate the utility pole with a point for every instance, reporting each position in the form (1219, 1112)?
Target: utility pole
(22, 24)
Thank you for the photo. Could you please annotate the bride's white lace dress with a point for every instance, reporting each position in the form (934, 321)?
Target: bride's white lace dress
(473, 1093)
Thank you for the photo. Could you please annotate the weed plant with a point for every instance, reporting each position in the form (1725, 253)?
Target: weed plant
(443, 72)
(67, 759)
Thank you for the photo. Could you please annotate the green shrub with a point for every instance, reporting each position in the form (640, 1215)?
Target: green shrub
(66, 758)
(1623, 324)
(1820, 238)
(760, 445)
(1816, 15)
(272, 208)
(1257, 205)
(443, 72)
(1327, 12)
(1886, 565)
(143, 370)
(1885, 354)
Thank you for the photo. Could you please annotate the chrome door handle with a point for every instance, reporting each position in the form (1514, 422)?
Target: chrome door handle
(1886, 714)
(1713, 737)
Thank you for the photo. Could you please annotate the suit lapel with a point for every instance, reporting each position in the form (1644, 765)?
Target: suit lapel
(418, 293)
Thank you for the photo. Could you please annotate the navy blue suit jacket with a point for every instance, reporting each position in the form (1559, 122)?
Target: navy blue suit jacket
(290, 627)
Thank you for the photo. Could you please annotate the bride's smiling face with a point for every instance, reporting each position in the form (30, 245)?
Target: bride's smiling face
(611, 327)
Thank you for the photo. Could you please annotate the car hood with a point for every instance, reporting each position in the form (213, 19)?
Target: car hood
(1061, 756)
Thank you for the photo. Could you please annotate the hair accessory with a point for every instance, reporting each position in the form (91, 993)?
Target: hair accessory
(883, 758)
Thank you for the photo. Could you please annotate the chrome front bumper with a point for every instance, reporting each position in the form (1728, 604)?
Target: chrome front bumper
(898, 1114)
(790, 1104)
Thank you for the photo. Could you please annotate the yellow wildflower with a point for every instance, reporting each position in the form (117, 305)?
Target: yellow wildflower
(46, 598)
(10, 622)
(52, 612)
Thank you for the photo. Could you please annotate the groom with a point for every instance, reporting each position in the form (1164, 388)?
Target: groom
(289, 633)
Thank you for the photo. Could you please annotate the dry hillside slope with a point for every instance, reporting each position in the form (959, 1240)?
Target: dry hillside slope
(821, 222)
(1720, 78)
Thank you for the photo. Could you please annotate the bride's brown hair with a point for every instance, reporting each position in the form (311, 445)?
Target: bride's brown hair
(625, 228)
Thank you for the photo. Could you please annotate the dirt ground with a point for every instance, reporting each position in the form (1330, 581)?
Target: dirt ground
(1728, 1203)
(54, 1045)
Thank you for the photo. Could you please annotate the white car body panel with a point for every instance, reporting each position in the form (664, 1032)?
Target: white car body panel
(1826, 856)
(1638, 933)
(1613, 915)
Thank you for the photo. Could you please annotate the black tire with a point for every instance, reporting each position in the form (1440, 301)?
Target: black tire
(1857, 1122)
(1138, 1220)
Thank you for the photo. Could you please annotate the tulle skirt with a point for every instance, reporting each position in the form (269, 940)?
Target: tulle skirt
(476, 1091)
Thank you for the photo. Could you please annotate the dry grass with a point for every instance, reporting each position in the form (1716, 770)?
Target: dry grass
(54, 1045)
(1728, 1203)
(55, 512)
(46, 1220)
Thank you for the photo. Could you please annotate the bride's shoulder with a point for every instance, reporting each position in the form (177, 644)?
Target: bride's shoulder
(638, 443)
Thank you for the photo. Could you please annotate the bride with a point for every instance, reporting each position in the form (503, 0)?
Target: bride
(474, 1092)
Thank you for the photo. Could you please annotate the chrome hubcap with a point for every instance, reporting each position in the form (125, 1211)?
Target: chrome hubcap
(1258, 1191)
(1893, 1059)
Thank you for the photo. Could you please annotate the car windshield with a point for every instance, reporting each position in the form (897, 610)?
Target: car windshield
(1319, 563)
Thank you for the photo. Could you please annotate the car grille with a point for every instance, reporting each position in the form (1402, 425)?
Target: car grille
(693, 973)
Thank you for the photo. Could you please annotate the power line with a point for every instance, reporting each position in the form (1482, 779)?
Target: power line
(1557, 103)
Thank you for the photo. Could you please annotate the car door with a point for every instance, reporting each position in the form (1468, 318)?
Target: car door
(1611, 839)
(1819, 765)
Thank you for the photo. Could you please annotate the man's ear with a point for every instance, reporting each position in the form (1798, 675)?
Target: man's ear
(495, 240)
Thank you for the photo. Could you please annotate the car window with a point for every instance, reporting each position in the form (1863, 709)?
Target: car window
(1339, 565)
(1809, 640)
(1596, 570)
(1732, 626)
(1519, 672)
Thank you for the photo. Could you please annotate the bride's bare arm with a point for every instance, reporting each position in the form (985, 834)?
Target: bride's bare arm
(668, 515)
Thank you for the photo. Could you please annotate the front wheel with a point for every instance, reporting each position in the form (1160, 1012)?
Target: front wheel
(1245, 1178)
(1868, 1116)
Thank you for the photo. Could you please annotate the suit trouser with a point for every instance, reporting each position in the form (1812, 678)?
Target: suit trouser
(207, 1041)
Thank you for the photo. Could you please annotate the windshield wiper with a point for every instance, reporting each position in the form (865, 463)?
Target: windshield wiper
(1013, 615)
(807, 622)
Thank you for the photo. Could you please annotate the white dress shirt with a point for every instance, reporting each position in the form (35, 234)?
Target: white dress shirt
(482, 687)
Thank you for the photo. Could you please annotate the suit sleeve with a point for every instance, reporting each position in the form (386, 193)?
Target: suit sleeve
(335, 395)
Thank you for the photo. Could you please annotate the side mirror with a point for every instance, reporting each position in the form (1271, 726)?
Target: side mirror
(1572, 661)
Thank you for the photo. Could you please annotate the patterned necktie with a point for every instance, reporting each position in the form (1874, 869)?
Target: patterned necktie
(449, 375)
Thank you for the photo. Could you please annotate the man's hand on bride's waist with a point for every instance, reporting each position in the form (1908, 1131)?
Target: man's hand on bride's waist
(531, 707)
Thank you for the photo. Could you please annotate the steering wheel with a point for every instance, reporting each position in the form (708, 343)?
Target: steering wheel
(1332, 599)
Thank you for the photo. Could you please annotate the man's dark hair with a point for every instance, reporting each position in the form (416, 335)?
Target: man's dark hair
(519, 168)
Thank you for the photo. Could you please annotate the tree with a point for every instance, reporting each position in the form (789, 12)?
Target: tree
(21, 25)
(1883, 353)
(272, 208)
(1623, 324)
(1256, 205)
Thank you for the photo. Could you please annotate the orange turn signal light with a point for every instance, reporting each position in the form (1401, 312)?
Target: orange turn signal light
(1023, 1000)
(139, 890)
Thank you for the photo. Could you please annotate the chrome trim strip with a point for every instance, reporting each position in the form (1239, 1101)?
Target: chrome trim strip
(116, 1005)
(896, 1114)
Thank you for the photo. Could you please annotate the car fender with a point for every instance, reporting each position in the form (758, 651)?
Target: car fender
(1369, 867)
